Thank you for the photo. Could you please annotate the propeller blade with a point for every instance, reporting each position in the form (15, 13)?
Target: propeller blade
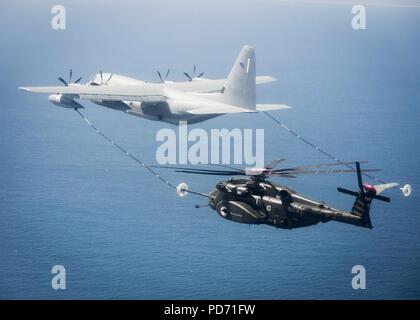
(188, 76)
(78, 80)
(200, 75)
(63, 81)
(109, 78)
(102, 79)
(352, 193)
(160, 77)
(359, 175)
(194, 70)
(71, 74)
(167, 74)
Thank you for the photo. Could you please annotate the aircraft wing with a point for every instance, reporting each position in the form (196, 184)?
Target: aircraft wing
(233, 109)
(148, 94)
(111, 93)
(215, 110)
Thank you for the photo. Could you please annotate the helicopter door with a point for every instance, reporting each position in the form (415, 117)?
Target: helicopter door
(243, 213)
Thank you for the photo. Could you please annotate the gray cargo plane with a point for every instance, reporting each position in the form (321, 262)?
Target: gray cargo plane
(195, 100)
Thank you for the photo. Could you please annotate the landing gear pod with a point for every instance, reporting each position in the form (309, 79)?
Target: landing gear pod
(406, 190)
(182, 189)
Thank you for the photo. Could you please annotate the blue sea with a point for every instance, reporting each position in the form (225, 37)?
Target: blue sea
(67, 197)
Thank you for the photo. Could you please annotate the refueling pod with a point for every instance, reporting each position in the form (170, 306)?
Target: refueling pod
(64, 100)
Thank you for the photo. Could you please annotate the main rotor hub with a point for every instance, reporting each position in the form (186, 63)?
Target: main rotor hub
(256, 171)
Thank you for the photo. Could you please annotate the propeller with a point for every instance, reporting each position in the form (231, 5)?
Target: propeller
(268, 170)
(66, 83)
(163, 80)
(364, 189)
(193, 76)
(102, 78)
(102, 83)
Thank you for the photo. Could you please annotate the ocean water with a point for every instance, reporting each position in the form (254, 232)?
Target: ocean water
(67, 197)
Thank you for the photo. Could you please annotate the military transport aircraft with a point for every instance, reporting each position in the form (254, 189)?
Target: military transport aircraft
(195, 100)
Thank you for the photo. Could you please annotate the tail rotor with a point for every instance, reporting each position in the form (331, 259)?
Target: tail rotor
(367, 189)
(364, 197)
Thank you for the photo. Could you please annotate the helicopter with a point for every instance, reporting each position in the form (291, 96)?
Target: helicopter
(256, 200)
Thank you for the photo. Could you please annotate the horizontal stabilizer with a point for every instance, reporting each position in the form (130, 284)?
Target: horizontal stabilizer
(271, 107)
(264, 79)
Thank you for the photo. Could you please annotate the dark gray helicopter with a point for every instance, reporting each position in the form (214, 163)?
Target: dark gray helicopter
(255, 200)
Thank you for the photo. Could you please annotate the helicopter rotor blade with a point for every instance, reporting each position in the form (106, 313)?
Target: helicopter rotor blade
(314, 172)
(382, 198)
(319, 165)
(213, 173)
(355, 194)
(283, 175)
(359, 175)
(346, 191)
(229, 167)
(190, 170)
(274, 163)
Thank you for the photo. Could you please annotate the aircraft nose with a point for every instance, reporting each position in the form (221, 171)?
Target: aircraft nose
(212, 199)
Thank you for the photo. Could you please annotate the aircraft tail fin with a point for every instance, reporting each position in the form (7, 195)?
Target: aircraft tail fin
(240, 89)
(364, 197)
(361, 208)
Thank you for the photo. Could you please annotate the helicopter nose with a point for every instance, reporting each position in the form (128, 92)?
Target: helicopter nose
(212, 199)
